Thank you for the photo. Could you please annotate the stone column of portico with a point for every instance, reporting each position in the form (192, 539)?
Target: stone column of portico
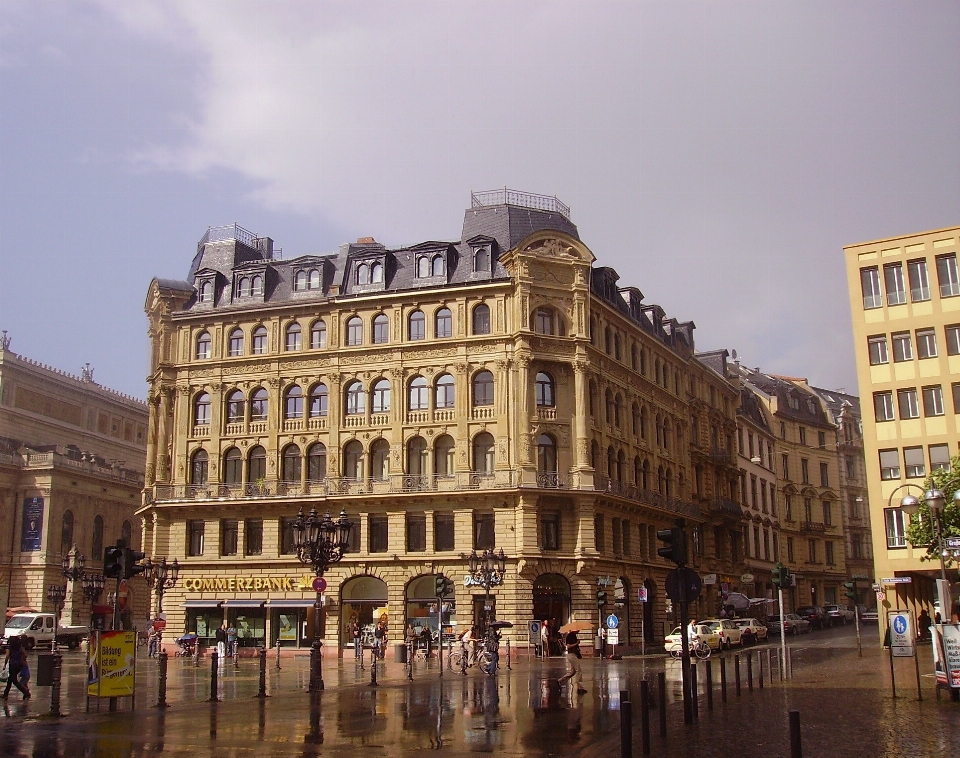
(149, 476)
(334, 422)
(528, 472)
(581, 445)
(162, 443)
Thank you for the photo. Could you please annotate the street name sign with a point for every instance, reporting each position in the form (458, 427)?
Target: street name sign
(897, 580)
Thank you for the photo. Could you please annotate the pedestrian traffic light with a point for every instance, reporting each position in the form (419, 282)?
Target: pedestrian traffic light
(601, 598)
(131, 562)
(851, 588)
(676, 544)
(113, 562)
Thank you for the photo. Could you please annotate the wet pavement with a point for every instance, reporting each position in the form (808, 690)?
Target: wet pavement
(846, 707)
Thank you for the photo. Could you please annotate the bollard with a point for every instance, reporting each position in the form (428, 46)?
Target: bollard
(694, 694)
(709, 665)
(736, 672)
(214, 661)
(723, 680)
(410, 661)
(55, 689)
(236, 657)
(645, 716)
(508, 655)
(373, 669)
(262, 690)
(162, 693)
(760, 670)
(662, 697)
(626, 725)
(440, 653)
(796, 749)
(463, 659)
(196, 654)
(749, 671)
(278, 655)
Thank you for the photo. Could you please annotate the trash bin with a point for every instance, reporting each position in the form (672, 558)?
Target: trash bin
(45, 666)
(400, 653)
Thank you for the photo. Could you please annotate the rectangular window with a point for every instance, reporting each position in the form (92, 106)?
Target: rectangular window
(933, 400)
(229, 531)
(926, 343)
(253, 536)
(883, 405)
(955, 387)
(483, 531)
(196, 537)
(443, 532)
(913, 462)
(287, 545)
(870, 286)
(890, 464)
(783, 430)
(805, 471)
(355, 537)
(877, 347)
(788, 507)
(550, 531)
(790, 551)
(827, 513)
(893, 280)
(902, 347)
(907, 402)
(919, 282)
(896, 528)
(379, 542)
(828, 551)
(785, 465)
(939, 458)
(851, 467)
(803, 434)
(626, 537)
(953, 339)
(808, 510)
(821, 440)
(856, 545)
(598, 533)
(416, 532)
(812, 551)
(824, 475)
(947, 275)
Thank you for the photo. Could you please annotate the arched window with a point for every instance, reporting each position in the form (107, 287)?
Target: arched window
(243, 286)
(544, 388)
(318, 400)
(635, 418)
(546, 454)
(206, 292)
(417, 329)
(126, 532)
(481, 259)
(637, 472)
(616, 346)
(608, 396)
(236, 407)
(356, 399)
(355, 331)
(592, 398)
(381, 329)
(443, 455)
(621, 461)
(668, 479)
(481, 319)
(353, 460)
(290, 465)
(444, 325)
(96, 546)
(363, 274)
(317, 462)
(660, 480)
(258, 405)
(646, 475)
(482, 388)
(543, 321)
(233, 466)
(423, 267)
(66, 533)
(201, 409)
(301, 282)
(483, 453)
(634, 357)
(318, 335)
(381, 396)
(666, 434)
(445, 394)
(198, 467)
(260, 340)
(439, 266)
(257, 465)
(293, 337)
(235, 343)
(380, 459)
(293, 403)
(611, 463)
(376, 273)
(203, 346)
(417, 456)
(617, 408)
(419, 395)
(314, 279)
(643, 422)
(608, 340)
(256, 288)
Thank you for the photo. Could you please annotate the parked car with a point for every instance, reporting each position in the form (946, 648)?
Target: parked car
(869, 615)
(673, 641)
(815, 615)
(727, 630)
(792, 624)
(838, 614)
(752, 631)
(38, 629)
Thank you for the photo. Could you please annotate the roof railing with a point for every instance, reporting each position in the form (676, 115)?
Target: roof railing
(506, 196)
(228, 232)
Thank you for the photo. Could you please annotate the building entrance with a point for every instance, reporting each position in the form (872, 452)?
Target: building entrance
(363, 599)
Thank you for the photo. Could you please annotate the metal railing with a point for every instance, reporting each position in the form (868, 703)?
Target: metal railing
(506, 196)
(724, 505)
(648, 497)
(228, 232)
(812, 526)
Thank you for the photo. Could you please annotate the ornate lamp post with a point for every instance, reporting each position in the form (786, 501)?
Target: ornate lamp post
(93, 585)
(935, 502)
(161, 577)
(56, 594)
(72, 568)
(320, 542)
(487, 569)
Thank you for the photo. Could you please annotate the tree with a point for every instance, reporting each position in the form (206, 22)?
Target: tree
(922, 530)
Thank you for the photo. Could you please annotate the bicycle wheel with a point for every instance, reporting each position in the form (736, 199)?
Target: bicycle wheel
(456, 660)
(703, 652)
(487, 666)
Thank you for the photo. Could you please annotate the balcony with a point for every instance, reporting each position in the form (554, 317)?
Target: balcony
(318, 423)
(546, 414)
(258, 427)
(725, 507)
(549, 481)
(201, 430)
(482, 412)
(293, 425)
(719, 455)
(648, 497)
(812, 526)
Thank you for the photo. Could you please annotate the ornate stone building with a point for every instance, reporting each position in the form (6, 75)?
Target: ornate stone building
(495, 391)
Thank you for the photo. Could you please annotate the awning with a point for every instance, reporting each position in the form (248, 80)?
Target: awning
(201, 603)
(243, 603)
(292, 603)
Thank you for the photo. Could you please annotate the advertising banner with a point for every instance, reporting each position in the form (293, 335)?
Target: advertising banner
(31, 531)
(946, 654)
(111, 664)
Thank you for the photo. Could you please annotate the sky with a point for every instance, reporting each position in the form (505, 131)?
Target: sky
(718, 155)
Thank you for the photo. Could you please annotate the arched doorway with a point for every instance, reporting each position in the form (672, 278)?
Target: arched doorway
(551, 599)
(649, 634)
(421, 610)
(364, 599)
(621, 608)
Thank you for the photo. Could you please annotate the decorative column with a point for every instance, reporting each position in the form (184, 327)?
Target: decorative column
(151, 464)
(581, 410)
(163, 434)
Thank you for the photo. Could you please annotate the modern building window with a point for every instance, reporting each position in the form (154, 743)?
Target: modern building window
(896, 526)
(381, 330)
(287, 544)
(482, 388)
(416, 533)
(378, 538)
(355, 331)
(550, 531)
(356, 399)
(445, 394)
(907, 402)
(291, 465)
(318, 400)
(293, 341)
(293, 403)
(381, 396)
(483, 453)
(235, 345)
(953, 339)
(444, 323)
(883, 405)
(260, 340)
(203, 346)
(933, 400)
(253, 536)
(926, 343)
(544, 390)
(317, 462)
(939, 458)
(201, 410)
(417, 326)
(318, 335)
(380, 460)
(890, 464)
(870, 287)
(913, 463)
(902, 347)
(947, 275)
(443, 532)
(229, 532)
(259, 405)
(481, 319)
(824, 475)
(419, 394)
(484, 536)
(257, 462)
(877, 347)
(443, 456)
(195, 537)
(955, 387)
(198, 467)
(919, 282)
(233, 466)
(893, 280)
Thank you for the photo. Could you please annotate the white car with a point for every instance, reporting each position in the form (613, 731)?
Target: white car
(728, 631)
(838, 613)
(673, 641)
(753, 631)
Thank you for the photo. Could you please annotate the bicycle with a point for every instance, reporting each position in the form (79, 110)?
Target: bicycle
(463, 658)
(698, 648)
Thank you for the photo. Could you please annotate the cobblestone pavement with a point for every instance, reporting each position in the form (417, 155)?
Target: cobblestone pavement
(846, 707)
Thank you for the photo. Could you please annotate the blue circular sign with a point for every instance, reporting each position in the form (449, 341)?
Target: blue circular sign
(900, 624)
(534, 628)
(612, 622)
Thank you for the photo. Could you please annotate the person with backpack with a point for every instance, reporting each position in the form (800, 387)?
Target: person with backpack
(14, 661)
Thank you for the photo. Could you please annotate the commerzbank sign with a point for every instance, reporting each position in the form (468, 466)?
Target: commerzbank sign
(249, 584)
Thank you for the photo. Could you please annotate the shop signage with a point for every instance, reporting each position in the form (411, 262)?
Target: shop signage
(709, 578)
(111, 664)
(249, 584)
(746, 578)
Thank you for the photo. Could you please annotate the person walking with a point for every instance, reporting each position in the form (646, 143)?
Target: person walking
(232, 641)
(221, 636)
(573, 656)
(923, 624)
(545, 639)
(355, 631)
(380, 640)
(14, 661)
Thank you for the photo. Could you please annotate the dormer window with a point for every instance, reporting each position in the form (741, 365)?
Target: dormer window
(431, 265)
(256, 285)
(307, 279)
(243, 286)
(481, 259)
(369, 273)
(250, 286)
(206, 292)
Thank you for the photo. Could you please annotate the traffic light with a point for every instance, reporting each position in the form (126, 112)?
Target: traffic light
(113, 562)
(776, 576)
(601, 598)
(676, 545)
(851, 588)
(131, 562)
(444, 586)
(786, 577)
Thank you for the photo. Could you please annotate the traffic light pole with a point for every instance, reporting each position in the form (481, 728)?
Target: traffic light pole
(685, 655)
(783, 634)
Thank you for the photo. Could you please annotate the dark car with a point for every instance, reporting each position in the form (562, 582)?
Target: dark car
(815, 615)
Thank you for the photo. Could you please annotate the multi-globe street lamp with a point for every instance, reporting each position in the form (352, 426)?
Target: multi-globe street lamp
(487, 569)
(935, 502)
(93, 585)
(161, 577)
(320, 542)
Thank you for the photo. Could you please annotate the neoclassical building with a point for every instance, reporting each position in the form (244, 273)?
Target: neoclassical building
(500, 390)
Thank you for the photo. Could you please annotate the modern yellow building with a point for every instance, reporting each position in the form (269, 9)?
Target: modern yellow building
(905, 307)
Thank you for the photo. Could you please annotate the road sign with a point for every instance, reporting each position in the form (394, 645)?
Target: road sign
(952, 542)
(897, 580)
(881, 595)
(612, 621)
(877, 587)
(642, 594)
(901, 633)
(613, 636)
(683, 584)
(535, 630)
(319, 584)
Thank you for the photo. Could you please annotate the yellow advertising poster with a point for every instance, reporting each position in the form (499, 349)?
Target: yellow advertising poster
(111, 664)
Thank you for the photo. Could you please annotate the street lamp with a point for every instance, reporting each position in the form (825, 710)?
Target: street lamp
(935, 502)
(93, 585)
(488, 569)
(161, 577)
(56, 594)
(71, 566)
(320, 542)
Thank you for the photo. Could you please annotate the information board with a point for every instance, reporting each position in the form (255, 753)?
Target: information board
(901, 633)
(111, 664)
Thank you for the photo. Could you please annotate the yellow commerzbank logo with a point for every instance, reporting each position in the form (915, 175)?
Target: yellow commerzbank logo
(249, 584)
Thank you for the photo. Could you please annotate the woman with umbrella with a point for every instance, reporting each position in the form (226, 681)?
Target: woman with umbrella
(573, 654)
